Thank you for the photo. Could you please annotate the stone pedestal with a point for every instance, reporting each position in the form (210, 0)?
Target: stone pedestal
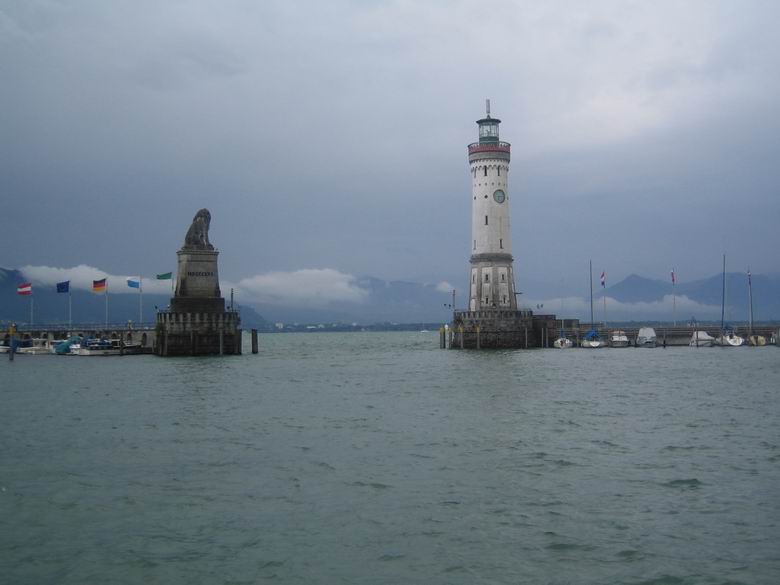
(181, 333)
(197, 322)
(197, 283)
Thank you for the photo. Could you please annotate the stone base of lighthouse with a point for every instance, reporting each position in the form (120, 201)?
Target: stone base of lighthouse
(500, 329)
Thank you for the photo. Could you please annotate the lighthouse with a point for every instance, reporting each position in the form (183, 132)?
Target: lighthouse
(492, 319)
(491, 279)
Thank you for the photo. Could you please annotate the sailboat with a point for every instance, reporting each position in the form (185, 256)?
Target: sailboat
(562, 342)
(727, 337)
(591, 339)
(753, 340)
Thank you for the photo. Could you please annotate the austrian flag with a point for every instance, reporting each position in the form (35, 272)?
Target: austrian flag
(24, 289)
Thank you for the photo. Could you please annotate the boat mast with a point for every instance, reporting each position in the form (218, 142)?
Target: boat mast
(750, 296)
(723, 296)
(590, 262)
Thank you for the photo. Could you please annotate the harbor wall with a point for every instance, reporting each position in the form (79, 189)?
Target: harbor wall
(144, 336)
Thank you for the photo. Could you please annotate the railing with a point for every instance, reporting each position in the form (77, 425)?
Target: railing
(123, 326)
(475, 147)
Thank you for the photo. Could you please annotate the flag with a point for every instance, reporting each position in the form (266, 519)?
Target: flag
(99, 286)
(63, 286)
(24, 289)
(603, 279)
(166, 276)
(750, 282)
(674, 278)
(134, 282)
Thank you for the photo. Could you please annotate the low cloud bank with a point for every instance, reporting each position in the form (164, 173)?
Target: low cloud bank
(81, 278)
(312, 286)
(662, 310)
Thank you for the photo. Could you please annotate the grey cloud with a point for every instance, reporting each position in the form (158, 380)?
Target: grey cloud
(334, 134)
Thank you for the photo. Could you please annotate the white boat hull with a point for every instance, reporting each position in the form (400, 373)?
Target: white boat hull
(701, 339)
(562, 343)
(592, 343)
(729, 341)
(619, 339)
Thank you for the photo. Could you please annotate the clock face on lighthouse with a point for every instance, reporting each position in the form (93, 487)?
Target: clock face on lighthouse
(499, 196)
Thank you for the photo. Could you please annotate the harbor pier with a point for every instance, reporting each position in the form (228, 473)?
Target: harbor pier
(144, 334)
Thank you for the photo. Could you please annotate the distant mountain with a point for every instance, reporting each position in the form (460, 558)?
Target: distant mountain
(52, 308)
(637, 289)
(707, 291)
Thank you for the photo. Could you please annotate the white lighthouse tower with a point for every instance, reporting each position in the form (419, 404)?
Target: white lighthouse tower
(491, 283)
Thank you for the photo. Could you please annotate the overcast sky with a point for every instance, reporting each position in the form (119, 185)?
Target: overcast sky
(329, 138)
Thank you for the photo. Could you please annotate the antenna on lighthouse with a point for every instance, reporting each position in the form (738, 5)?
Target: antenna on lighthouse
(487, 107)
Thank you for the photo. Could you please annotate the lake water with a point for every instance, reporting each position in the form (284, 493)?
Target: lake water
(379, 458)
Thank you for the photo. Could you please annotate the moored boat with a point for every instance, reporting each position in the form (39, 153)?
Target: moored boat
(563, 343)
(646, 337)
(69, 346)
(618, 339)
(701, 339)
(729, 339)
(591, 340)
(105, 347)
(36, 346)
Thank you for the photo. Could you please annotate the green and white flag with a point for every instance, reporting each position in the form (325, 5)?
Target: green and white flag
(165, 276)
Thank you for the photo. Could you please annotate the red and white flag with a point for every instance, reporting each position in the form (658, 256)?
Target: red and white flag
(603, 279)
(24, 289)
(674, 278)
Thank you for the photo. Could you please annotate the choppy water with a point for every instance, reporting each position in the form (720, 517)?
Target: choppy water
(378, 458)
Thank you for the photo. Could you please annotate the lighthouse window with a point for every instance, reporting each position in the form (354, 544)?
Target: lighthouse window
(473, 278)
(502, 278)
(475, 244)
(486, 220)
(487, 278)
(499, 171)
(485, 169)
(501, 243)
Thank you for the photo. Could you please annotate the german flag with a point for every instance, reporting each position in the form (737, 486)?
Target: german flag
(99, 286)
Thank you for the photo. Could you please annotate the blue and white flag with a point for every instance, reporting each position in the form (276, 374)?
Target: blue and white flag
(134, 282)
(63, 287)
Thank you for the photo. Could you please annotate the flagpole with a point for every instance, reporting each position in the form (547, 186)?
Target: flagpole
(70, 310)
(106, 303)
(32, 304)
(604, 287)
(674, 298)
(140, 300)
(750, 296)
(590, 266)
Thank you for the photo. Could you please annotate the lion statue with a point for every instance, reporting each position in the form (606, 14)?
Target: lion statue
(198, 234)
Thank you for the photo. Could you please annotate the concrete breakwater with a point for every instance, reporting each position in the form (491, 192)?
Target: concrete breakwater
(541, 333)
